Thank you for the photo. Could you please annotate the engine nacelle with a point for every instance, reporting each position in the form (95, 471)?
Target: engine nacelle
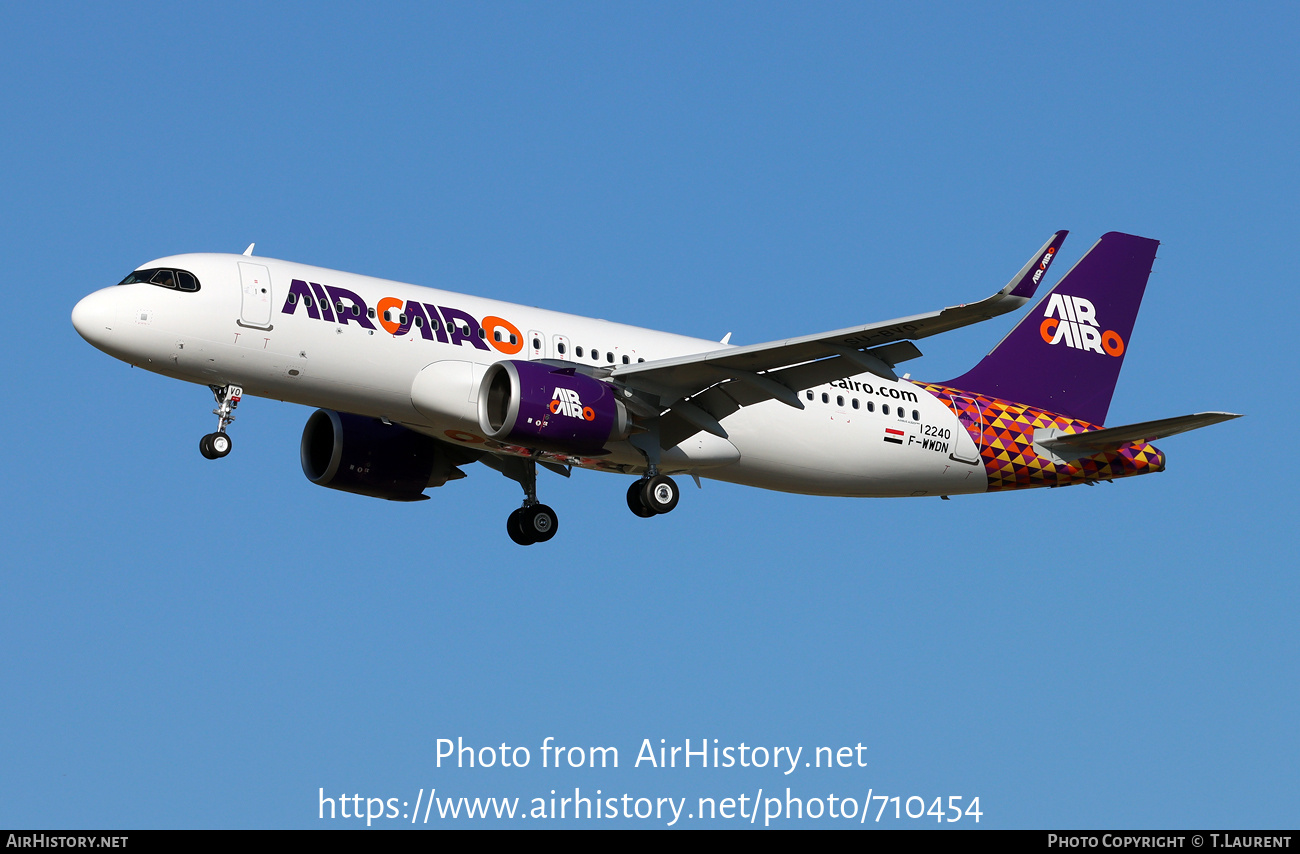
(368, 457)
(549, 408)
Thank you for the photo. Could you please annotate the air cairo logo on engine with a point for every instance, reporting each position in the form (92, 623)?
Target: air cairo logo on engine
(565, 402)
(1076, 324)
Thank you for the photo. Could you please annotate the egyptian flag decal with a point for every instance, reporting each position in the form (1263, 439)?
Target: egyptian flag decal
(895, 436)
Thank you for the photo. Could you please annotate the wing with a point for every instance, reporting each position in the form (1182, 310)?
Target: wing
(780, 369)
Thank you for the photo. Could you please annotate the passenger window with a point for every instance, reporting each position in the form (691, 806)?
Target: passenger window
(826, 398)
(884, 407)
(609, 357)
(839, 400)
(577, 351)
(855, 403)
(370, 312)
(560, 348)
(809, 394)
(916, 416)
(626, 360)
(419, 322)
(871, 406)
(293, 299)
(537, 345)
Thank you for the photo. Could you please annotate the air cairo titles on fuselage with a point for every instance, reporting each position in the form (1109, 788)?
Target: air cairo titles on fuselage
(442, 323)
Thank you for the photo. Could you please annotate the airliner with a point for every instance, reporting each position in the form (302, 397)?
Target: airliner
(412, 384)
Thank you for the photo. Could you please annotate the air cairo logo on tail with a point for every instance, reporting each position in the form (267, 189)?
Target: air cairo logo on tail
(565, 402)
(1075, 323)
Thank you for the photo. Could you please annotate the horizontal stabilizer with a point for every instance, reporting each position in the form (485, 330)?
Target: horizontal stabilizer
(1110, 438)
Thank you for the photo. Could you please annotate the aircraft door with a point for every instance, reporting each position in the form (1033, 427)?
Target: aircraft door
(255, 281)
(536, 345)
(969, 439)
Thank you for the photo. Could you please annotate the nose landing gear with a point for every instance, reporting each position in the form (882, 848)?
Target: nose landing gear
(216, 445)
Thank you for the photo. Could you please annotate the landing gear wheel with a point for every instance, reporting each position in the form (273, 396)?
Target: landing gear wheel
(660, 493)
(205, 447)
(515, 528)
(634, 502)
(220, 444)
(539, 522)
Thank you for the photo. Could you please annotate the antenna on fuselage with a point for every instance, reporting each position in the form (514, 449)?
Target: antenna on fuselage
(249, 250)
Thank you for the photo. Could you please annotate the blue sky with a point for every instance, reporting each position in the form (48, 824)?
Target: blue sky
(190, 644)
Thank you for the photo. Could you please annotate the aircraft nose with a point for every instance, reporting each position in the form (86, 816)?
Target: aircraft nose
(94, 318)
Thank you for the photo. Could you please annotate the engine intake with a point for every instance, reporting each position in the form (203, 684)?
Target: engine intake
(365, 456)
(549, 408)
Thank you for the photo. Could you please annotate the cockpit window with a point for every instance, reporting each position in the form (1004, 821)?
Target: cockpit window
(181, 280)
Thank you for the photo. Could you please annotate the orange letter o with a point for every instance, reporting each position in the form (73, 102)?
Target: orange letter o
(1112, 343)
(491, 323)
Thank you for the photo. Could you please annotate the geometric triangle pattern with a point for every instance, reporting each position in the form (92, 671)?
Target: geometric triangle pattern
(1004, 432)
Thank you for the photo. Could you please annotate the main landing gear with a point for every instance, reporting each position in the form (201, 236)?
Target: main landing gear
(655, 493)
(216, 445)
(534, 522)
(652, 495)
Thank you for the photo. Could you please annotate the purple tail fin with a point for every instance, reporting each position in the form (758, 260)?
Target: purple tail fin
(1065, 355)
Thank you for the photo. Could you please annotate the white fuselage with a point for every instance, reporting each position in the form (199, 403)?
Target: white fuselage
(241, 328)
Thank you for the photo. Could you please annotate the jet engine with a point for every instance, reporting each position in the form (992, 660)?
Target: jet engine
(368, 457)
(549, 408)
